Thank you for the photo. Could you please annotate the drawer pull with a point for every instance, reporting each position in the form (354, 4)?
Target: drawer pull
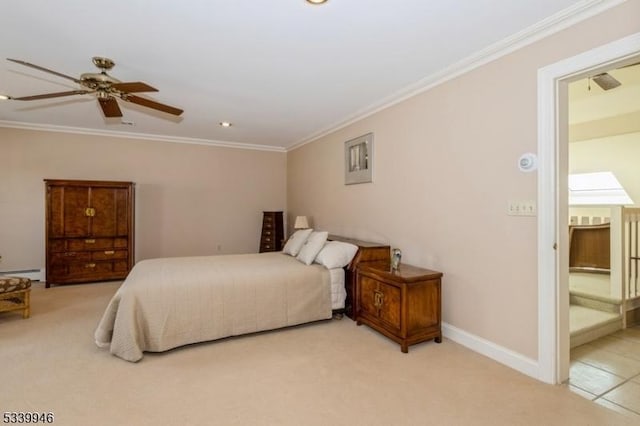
(90, 212)
(267, 247)
(70, 254)
(109, 252)
(267, 239)
(89, 241)
(90, 265)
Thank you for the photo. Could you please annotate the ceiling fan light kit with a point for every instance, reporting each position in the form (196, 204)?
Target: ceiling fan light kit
(107, 89)
(316, 1)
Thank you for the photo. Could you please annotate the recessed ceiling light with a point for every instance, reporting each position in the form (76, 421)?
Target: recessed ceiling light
(316, 1)
(4, 97)
(225, 124)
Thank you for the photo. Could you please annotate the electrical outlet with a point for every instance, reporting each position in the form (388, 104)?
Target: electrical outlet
(522, 208)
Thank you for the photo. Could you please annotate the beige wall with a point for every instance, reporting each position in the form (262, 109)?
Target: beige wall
(190, 199)
(445, 168)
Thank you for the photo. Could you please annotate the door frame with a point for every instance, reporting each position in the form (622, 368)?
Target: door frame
(553, 255)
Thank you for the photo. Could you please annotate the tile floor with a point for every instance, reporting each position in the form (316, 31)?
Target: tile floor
(607, 371)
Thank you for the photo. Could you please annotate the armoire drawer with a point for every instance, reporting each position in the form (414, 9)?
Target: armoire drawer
(88, 270)
(86, 244)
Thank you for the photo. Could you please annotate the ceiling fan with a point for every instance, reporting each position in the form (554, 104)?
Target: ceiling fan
(106, 88)
(606, 81)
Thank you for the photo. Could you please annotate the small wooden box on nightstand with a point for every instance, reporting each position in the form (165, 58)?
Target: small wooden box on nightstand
(404, 305)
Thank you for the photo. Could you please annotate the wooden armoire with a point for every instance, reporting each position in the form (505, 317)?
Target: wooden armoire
(89, 230)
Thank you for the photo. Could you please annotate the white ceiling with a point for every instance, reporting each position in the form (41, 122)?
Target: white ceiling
(282, 71)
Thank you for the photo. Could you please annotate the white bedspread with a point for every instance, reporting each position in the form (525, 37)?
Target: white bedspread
(170, 302)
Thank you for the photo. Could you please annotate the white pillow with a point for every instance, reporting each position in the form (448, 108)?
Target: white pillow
(312, 247)
(296, 242)
(336, 254)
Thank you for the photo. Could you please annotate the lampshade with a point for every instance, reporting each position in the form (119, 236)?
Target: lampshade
(301, 223)
(595, 189)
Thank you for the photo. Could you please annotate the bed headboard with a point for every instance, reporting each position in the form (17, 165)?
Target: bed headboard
(590, 248)
(367, 252)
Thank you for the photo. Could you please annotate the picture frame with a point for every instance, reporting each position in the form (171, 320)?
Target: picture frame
(358, 160)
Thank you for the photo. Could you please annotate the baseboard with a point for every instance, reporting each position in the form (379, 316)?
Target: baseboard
(32, 274)
(489, 349)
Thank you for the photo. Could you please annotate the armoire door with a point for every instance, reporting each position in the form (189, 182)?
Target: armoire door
(67, 212)
(109, 212)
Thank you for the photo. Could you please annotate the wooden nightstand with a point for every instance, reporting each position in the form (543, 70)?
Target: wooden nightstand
(404, 305)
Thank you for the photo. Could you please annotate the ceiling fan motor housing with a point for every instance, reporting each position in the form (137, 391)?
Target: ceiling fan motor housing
(99, 77)
(100, 81)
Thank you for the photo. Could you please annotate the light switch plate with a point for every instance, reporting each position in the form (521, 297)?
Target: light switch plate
(522, 208)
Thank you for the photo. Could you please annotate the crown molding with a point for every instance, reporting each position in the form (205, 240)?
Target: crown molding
(143, 136)
(549, 26)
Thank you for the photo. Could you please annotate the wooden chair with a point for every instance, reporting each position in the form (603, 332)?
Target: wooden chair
(15, 293)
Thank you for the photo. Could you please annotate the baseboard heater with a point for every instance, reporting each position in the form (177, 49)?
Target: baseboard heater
(32, 274)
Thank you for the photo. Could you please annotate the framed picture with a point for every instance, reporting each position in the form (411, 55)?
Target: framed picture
(358, 160)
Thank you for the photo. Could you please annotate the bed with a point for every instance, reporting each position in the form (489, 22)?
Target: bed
(170, 302)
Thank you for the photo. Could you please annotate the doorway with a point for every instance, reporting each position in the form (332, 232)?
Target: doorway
(604, 144)
(553, 256)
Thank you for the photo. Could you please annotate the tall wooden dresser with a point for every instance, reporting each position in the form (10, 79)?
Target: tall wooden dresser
(272, 236)
(89, 230)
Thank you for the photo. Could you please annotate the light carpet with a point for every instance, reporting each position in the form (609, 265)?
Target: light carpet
(326, 373)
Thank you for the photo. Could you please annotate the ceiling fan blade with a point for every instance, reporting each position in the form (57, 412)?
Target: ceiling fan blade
(51, 95)
(153, 104)
(606, 81)
(110, 107)
(134, 87)
(27, 64)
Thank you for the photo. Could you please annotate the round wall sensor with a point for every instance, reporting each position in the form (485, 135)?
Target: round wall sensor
(528, 162)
